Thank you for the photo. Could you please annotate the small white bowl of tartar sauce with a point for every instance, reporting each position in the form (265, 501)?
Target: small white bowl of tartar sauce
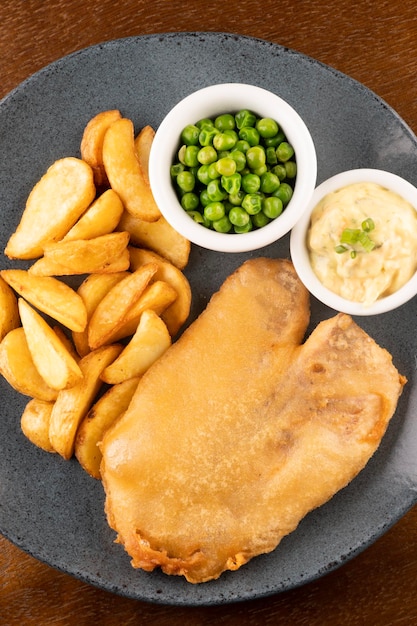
(355, 247)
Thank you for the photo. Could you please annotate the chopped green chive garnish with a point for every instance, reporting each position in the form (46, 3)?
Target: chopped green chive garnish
(352, 238)
(340, 249)
(368, 225)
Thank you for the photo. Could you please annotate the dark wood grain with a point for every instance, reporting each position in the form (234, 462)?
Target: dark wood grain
(376, 44)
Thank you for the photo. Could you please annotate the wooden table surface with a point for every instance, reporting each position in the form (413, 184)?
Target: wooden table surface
(375, 43)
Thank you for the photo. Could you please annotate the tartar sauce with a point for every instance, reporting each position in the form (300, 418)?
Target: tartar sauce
(358, 275)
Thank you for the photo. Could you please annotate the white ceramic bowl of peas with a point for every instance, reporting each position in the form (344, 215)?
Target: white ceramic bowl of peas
(208, 192)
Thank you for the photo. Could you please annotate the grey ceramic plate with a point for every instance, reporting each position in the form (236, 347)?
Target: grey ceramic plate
(50, 507)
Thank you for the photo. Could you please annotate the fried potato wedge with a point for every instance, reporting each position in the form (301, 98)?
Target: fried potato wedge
(59, 331)
(104, 254)
(92, 143)
(35, 423)
(102, 415)
(53, 361)
(177, 313)
(18, 368)
(157, 297)
(92, 290)
(49, 295)
(54, 205)
(150, 341)
(111, 311)
(143, 144)
(72, 405)
(9, 312)
(124, 171)
(45, 266)
(158, 236)
(101, 218)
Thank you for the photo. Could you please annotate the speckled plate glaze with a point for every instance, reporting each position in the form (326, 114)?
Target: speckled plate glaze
(50, 507)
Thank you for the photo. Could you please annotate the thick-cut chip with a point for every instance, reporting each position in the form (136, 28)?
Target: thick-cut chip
(143, 144)
(73, 404)
(35, 423)
(18, 368)
(51, 296)
(92, 143)
(157, 297)
(53, 361)
(52, 208)
(101, 218)
(60, 333)
(158, 236)
(92, 290)
(9, 313)
(98, 420)
(45, 266)
(111, 311)
(149, 342)
(176, 314)
(124, 172)
(104, 254)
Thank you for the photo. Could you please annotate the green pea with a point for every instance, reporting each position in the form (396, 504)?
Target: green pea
(214, 211)
(284, 193)
(226, 166)
(243, 229)
(176, 168)
(223, 225)
(291, 169)
(223, 142)
(207, 155)
(280, 171)
(238, 216)
(191, 156)
(259, 171)
(213, 172)
(252, 203)
(245, 118)
(231, 133)
(260, 219)
(284, 151)
(271, 156)
(236, 199)
(251, 183)
(269, 182)
(190, 201)
(204, 199)
(226, 121)
(272, 207)
(203, 175)
(267, 127)
(181, 154)
(206, 122)
(239, 158)
(249, 134)
(274, 141)
(215, 191)
(190, 134)
(207, 135)
(255, 157)
(186, 181)
(242, 145)
(231, 183)
(196, 216)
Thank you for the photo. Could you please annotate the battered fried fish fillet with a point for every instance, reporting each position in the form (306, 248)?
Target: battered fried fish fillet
(238, 431)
